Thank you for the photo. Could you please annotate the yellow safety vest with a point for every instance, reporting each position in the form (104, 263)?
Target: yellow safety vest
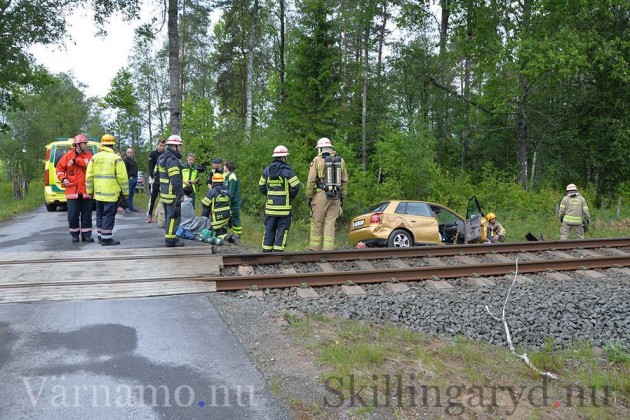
(106, 176)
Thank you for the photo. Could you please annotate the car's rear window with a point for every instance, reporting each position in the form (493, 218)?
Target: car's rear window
(414, 209)
(378, 208)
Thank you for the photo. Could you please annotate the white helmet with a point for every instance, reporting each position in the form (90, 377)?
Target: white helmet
(323, 142)
(280, 151)
(174, 139)
(571, 187)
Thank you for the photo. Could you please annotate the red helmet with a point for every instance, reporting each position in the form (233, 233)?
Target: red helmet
(280, 151)
(79, 138)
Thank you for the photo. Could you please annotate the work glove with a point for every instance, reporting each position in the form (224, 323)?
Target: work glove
(122, 202)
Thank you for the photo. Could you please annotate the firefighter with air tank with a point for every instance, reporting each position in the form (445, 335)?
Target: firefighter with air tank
(326, 189)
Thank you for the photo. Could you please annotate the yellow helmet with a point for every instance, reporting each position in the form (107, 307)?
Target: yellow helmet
(217, 178)
(108, 140)
(490, 216)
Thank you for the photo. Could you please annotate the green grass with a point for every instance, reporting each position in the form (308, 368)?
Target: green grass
(367, 353)
(11, 207)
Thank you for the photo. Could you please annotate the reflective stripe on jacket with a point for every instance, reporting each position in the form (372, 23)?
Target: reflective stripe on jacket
(189, 173)
(280, 184)
(75, 174)
(216, 206)
(106, 176)
(573, 209)
(169, 168)
(317, 172)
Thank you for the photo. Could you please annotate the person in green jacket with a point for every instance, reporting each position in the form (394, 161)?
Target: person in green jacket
(234, 191)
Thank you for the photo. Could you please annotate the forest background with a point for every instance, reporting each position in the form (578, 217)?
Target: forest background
(429, 100)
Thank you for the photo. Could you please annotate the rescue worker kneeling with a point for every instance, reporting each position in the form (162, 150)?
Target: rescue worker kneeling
(326, 187)
(216, 207)
(495, 231)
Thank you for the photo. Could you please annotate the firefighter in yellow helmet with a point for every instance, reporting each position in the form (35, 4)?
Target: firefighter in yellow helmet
(326, 188)
(171, 188)
(106, 178)
(216, 206)
(280, 185)
(494, 230)
(574, 214)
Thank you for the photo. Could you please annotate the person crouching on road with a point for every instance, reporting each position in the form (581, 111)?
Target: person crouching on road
(573, 213)
(171, 188)
(326, 187)
(216, 206)
(106, 179)
(280, 184)
(71, 171)
(189, 221)
(494, 230)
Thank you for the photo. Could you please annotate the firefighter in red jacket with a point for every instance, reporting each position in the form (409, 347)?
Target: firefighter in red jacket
(71, 172)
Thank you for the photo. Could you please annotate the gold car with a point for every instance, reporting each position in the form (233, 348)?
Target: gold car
(405, 223)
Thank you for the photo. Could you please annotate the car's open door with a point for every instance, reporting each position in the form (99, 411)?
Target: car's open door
(473, 221)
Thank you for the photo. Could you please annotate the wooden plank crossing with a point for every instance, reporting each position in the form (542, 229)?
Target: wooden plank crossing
(106, 274)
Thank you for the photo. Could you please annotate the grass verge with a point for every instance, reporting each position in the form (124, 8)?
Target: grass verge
(395, 372)
(11, 207)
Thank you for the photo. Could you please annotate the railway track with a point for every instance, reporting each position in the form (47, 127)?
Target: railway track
(128, 271)
(287, 276)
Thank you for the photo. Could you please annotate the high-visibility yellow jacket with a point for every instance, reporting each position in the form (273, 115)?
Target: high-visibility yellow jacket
(190, 173)
(106, 176)
(573, 209)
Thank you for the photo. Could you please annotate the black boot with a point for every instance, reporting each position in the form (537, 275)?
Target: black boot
(108, 242)
(75, 239)
(174, 244)
(87, 239)
(99, 239)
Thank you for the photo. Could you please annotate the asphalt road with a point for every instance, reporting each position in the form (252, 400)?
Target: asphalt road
(163, 358)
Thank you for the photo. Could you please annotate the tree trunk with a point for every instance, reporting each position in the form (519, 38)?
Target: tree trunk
(173, 68)
(250, 72)
(466, 90)
(283, 93)
(381, 41)
(522, 132)
(364, 106)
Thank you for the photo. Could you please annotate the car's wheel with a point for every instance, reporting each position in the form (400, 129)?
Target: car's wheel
(51, 207)
(399, 239)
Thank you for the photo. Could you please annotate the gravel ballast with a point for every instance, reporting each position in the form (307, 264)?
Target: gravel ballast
(568, 311)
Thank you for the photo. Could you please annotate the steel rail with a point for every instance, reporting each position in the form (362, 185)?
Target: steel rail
(413, 273)
(428, 251)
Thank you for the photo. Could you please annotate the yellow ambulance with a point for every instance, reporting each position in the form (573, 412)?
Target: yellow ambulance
(54, 191)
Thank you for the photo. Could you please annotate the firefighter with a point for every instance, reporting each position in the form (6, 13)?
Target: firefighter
(234, 191)
(326, 187)
(280, 184)
(494, 230)
(171, 188)
(216, 206)
(154, 178)
(71, 171)
(106, 179)
(190, 175)
(574, 214)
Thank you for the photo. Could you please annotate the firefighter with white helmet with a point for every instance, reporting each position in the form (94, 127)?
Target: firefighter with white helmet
(574, 214)
(171, 188)
(106, 179)
(280, 185)
(71, 171)
(326, 188)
